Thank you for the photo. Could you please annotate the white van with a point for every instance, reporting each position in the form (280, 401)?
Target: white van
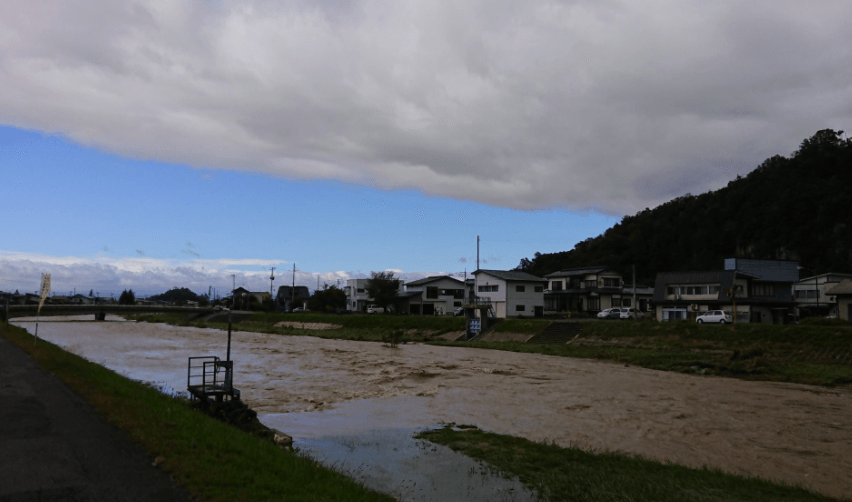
(372, 309)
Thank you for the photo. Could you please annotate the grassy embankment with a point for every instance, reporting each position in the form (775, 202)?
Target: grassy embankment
(212, 460)
(809, 354)
(559, 474)
(373, 328)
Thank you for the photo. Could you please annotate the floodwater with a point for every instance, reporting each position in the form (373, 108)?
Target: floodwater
(338, 399)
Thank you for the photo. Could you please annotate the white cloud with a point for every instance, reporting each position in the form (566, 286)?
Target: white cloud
(607, 105)
(147, 276)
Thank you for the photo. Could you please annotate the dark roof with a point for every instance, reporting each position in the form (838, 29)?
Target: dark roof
(725, 279)
(766, 270)
(433, 278)
(844, 288)
(578, 271)
(511, 275)
(409, 294)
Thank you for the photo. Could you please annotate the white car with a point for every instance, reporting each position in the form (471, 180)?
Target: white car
(718, 316)
(604, 314)
(372, 309)
(631, 314)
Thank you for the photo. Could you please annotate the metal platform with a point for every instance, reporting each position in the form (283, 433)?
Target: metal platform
(209, 377)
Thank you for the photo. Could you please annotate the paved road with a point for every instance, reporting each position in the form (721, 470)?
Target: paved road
(54, 446)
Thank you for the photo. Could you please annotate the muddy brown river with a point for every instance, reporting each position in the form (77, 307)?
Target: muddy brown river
(307, 386)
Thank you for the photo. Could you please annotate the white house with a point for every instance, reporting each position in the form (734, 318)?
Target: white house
(812, 294)
(512, 293)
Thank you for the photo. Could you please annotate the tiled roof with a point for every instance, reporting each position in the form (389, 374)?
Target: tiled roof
(844, 288)
(766, 270)
(577, 271)
(511, 275)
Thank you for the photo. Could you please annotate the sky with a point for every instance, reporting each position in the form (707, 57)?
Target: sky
(159, 144)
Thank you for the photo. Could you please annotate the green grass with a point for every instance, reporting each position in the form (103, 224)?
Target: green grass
(809, 354)
(214, 461)
(571, 474)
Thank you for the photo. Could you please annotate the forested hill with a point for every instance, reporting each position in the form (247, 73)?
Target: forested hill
(796, 208)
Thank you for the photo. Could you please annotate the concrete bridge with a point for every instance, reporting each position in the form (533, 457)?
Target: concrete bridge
(99, 311)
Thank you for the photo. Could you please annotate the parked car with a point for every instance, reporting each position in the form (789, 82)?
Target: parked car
(631, 314)
(614, 314)
(604, 314)
(458, 311)
(718, 316)
(372, 309)
(300, 309)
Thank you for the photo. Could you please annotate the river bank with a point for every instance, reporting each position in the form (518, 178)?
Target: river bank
(796, 434)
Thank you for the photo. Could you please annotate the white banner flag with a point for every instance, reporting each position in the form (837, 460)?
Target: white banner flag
(45, 290)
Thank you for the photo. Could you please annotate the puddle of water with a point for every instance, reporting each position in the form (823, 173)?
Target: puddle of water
(392, 461)
(372, 441)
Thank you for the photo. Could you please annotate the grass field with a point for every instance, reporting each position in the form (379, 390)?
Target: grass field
(570, 474)
(214, 461)
(809, 354)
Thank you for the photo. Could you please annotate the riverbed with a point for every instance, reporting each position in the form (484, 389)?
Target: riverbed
(312, 388)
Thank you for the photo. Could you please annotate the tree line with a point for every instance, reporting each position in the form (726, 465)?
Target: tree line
(789, 208)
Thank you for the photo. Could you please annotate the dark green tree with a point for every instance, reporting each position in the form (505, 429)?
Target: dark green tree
(127, 297)
(383, 288)
(328, 299)
(792, 208)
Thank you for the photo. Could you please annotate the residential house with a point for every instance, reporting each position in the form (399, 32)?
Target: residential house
(812, 294)
(436, 295)
(242, 297)
(511, 293)
(842, 293)
(290, 297)
(587, 290)
(760, 289)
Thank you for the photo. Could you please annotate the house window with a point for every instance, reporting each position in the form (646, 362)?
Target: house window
(360, 290)
(539, 289)
(616, 302)
(806, 293)
(609, 282)
(556, 285)
(625, 302)
(758, 289)
(594, 304)
(520, 308)
(520, 289)
(487, 289)
(714, 290)
(431, 292)
(589, 284)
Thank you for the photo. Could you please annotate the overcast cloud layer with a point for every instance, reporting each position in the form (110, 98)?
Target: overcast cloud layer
(149, 276)
(579, 104)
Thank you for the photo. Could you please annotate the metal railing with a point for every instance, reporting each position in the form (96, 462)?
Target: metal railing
(208, 375)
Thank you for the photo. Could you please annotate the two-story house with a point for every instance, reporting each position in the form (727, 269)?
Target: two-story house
(586, 290)
(757, 291)
(290, 297)
(436, 295)
(812, 294)
(357, 298)
(511, 293)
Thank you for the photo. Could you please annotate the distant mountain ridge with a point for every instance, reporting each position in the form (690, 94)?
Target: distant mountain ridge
(796, 208)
